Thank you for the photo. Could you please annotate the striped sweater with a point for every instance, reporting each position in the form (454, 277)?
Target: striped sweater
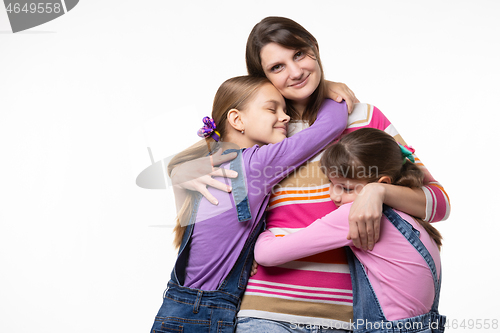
(317, 290)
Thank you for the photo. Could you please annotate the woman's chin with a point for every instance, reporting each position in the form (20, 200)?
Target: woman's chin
(299, 95)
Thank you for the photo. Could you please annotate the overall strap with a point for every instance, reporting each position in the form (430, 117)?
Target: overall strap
(365, 304)
(236, 281)
(412, 235)
(239, 192)
(179, 272)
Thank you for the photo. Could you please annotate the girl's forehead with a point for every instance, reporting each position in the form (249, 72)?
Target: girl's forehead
(269, 92)
(345, 181)
(267, 96)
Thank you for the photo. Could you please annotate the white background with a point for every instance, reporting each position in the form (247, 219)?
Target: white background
(83, 249)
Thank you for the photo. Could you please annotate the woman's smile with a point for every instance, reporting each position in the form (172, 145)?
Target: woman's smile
(301, 83)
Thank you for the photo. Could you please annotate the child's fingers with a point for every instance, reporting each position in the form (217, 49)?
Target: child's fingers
(204, 191)
(370, 235)
(354, 233)
(372, 228)
(209, 181)
(376, 232)
(363, 236)
(218, 158)
(221, 172)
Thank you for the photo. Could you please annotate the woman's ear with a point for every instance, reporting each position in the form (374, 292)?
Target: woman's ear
(234, 119)
(385, 179)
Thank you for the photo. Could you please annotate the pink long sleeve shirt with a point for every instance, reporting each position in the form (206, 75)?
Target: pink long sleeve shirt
(398, 274)
(317, 290)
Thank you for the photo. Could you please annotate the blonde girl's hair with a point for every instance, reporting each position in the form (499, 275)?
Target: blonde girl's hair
(234, 93)
(290, 35)
(368, 154)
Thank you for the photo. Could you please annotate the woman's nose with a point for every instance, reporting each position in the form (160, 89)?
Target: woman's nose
(295, 71)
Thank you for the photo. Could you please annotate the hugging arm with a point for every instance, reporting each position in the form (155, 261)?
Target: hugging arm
(196, 175)
(271, 163)
(430, 202)
(366, 211)
(326, 233)
(340, 91)
(275, 161)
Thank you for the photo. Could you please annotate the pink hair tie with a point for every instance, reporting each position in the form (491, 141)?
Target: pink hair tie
(209, 129)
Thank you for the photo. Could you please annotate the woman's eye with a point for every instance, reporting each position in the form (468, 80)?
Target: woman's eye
(275, 68)
(299, 55)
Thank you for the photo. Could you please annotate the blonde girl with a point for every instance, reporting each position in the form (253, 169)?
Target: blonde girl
(216, 242)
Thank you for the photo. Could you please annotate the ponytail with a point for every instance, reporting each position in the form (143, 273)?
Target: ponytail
(199, 149)
(433, 232)
(412, 176)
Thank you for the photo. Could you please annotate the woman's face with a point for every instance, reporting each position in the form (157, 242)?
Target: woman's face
(294, 73)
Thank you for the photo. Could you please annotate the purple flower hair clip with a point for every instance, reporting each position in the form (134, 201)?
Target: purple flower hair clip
(209, 129)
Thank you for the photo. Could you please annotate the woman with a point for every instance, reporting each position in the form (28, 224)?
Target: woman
(316, 290)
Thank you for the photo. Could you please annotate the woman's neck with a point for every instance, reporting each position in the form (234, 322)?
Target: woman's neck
(300, 107)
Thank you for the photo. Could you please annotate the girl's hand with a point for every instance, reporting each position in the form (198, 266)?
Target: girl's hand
(254, 268)
(365, 215)
(197, 174)
(339, 91)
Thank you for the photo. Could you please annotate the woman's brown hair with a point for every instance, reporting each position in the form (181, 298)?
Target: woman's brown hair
(290, 35)
(368, 154)
(234, 93)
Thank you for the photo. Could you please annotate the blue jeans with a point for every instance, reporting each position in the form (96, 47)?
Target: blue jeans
(192, 310)
(254, 325)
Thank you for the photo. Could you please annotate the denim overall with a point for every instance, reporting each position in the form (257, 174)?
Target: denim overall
(197, 311)
(368, 315)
